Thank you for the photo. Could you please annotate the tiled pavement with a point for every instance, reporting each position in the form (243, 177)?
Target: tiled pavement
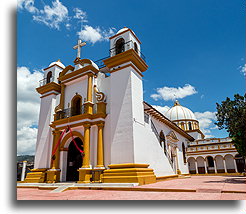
(204, 187)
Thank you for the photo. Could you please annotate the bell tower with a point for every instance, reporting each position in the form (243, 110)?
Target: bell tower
(126, 66)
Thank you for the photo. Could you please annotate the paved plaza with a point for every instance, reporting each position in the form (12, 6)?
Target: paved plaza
(192, 188)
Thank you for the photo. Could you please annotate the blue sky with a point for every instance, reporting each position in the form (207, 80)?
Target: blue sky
(193, 48)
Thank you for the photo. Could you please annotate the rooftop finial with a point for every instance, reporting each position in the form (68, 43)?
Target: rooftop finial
(176, 103)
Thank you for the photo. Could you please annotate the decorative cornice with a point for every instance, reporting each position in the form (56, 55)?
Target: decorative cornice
(52, 86)
(114, 36)
(124, 57)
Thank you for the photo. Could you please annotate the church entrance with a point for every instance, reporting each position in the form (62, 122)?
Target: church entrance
(74, 160)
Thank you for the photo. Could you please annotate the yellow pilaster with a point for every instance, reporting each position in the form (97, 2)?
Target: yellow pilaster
(62, 96)
(53, 174)
(89, 88)
(100, 156)
(86, 158)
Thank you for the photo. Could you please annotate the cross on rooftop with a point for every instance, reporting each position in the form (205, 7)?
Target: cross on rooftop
(79, 46)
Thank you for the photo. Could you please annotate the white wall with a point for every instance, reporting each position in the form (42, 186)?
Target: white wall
(44, 138)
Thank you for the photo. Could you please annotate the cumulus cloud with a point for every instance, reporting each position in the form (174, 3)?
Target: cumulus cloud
(93, 35)
(171, 93)
(206, 122)
(52, 16)
(161, 109)
(27, 109)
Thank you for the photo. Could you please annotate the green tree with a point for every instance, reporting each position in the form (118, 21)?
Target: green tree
(231, 116)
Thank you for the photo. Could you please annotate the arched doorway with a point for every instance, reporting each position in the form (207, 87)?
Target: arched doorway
(210, 164)
(163, 141)
(219, 164)
(120, 46)
(74, 160)
(200, 165)
(240, 161)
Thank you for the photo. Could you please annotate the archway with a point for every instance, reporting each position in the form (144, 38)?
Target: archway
(74, 160)
(192, 165)
(229, 160)
(120, 46)
(240, 161)
(200, 165)
(135, 47)
(219, 164)
(183, 151)
(210, 164)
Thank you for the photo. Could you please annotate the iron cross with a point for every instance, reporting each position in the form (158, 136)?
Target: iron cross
(79, 46)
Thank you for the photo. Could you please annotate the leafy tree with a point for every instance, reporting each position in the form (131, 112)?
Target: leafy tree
(231, 116)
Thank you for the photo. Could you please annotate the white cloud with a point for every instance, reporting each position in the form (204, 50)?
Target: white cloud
(52, 16)
(243, 69)
(80, 14)
(171, 93)
(93, 35)
(28, 103)
(161, 109)
(28, 5)
(206, 122)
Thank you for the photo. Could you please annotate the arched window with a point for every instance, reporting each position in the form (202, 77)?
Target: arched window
(162, 139)
(120, 46)
(76, 105)
(210, 161)
(135, 47)
(189, 125)
(183, 150)
(49, 77)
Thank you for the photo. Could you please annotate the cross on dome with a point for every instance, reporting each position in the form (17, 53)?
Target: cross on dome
(79, 46)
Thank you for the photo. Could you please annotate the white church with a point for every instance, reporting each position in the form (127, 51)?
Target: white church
(94, 125)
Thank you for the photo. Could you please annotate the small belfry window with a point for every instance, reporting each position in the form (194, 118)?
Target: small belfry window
(120, 46)
(49, 77)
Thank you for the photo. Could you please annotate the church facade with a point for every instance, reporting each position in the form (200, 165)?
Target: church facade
(94, 125)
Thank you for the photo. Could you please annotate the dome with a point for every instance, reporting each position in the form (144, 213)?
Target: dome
(58, 62)
(178, 112)
(122, 30)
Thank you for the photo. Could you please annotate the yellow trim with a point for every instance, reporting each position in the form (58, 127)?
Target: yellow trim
(75, 74)
(129, 173)
(86, 158)
(124, 57)
(100, 150)
(89, 88)
(68, 136)
(52, 86)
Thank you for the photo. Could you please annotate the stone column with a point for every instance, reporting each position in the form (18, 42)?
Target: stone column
(86, 158)
(205, 166)
(224, 165)
(196, 166)
(23, 172)
(85, 170)
(100, 154)
(235, 164)
(215, 167)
